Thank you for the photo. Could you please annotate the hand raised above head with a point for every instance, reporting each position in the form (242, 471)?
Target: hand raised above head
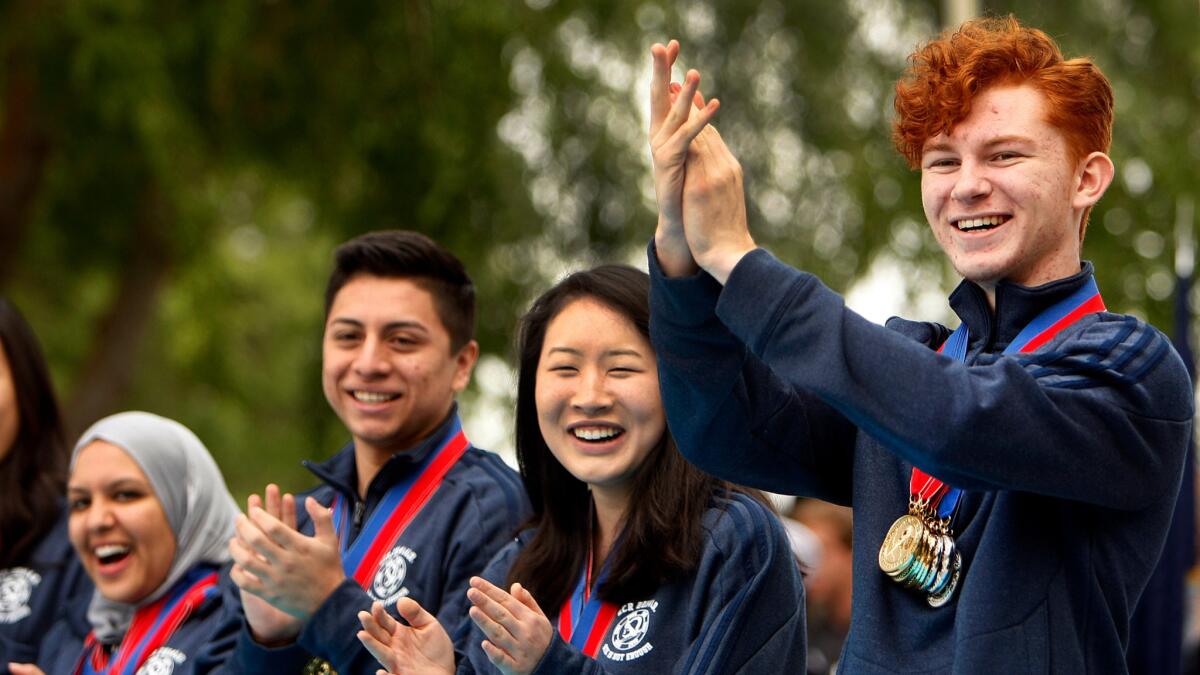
(293, 572)
(420, 648)
(714, 206)
(677, 114)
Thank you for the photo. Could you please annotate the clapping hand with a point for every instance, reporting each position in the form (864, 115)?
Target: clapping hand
(284, 575)
(420, 648)
(518, 632)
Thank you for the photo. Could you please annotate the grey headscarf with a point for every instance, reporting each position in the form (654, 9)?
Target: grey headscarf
(190, 488)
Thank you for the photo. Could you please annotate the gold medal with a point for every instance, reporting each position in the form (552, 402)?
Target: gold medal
(919, 551)
(319, 666)
(931, 550)
(900, 545)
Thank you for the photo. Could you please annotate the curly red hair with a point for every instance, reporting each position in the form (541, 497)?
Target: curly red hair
(945, 75)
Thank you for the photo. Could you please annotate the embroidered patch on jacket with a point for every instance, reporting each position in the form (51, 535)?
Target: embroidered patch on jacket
(388, 585)
(16, 587)
(628, 638)
(162, 662)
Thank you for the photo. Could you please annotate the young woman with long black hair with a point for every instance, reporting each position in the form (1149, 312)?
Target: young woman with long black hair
(638, 561)
(39, 574)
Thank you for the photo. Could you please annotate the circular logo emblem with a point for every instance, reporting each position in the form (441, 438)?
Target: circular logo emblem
(16, 587)
(631, 630)
(390, 576)
(162, 662)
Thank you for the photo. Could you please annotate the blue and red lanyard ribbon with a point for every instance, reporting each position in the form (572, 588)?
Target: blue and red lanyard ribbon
(400, 504)
(151, 627)
(584, 618)
(1042, 329)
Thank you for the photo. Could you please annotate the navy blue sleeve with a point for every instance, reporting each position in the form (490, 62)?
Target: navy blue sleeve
(1101, 414)
(210, 635)
(728, 412)
(486, 524)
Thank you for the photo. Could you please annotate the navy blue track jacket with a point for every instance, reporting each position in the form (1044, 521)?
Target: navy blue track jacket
(740, 611)
(473, 514)
(1070, 457)
(36, 595)
(200, 644)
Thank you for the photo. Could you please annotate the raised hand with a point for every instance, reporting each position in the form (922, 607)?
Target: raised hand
(714, 206)
(420, 648)
(518, 632)
(290, 571)
(674, 122)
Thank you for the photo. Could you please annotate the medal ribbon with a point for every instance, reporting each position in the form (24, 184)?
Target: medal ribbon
(151, 627)
(1049, 323)
(400, 504)
(584, 620)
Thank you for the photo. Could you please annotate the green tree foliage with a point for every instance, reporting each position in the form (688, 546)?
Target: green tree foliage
(174, 176)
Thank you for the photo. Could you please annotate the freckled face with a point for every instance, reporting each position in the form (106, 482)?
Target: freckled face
(998, 191)
(388, 371)
(117, 525)
(9, 419)
(597, 397)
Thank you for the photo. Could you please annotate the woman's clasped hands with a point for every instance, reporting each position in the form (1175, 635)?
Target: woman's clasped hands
(517, 630)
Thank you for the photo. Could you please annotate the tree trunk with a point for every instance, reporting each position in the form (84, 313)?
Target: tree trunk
(114, 356)
(24, 148)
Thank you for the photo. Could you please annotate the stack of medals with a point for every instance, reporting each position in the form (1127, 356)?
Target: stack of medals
(319, 666)
(918, 551)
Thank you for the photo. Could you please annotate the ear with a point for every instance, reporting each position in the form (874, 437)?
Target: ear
(1094, 175)
(464, 362)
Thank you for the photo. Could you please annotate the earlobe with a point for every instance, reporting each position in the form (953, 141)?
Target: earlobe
(464, 363)
(1095, 175)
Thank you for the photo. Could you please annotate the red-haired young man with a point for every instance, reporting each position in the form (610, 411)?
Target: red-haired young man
(1012, 480)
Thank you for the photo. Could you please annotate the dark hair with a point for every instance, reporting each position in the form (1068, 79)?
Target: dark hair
(33, 474)
(662, 536)
(403, 254)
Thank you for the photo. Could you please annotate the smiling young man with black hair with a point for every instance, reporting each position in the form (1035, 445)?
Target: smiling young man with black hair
(409, 507)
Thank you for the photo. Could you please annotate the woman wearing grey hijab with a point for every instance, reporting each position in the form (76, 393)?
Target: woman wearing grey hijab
(150, 518)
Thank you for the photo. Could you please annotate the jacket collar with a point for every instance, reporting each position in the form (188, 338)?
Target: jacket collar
(341, 471)
(1016, 306)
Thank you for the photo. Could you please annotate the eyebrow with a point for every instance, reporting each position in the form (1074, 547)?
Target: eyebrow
(610, 352)
(391, 325)
(112, 485)
(943, 146)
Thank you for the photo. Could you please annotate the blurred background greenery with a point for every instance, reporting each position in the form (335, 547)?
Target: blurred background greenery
(174, 175)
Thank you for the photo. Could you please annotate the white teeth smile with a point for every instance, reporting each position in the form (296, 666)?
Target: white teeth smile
(110, 551)
(986, 222)
(595, 433)
(374, 397)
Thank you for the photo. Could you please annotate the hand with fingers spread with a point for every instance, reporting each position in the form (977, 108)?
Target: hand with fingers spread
(677, 114)
(284, 575)
(518, 632)
(420, 648)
